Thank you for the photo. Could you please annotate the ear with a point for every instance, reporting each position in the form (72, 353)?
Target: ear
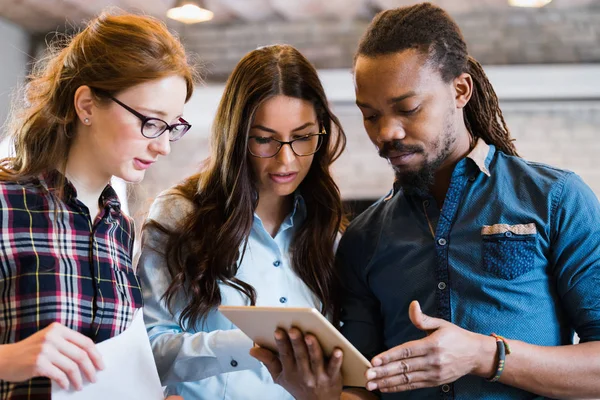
(84, 104)
(463, 88)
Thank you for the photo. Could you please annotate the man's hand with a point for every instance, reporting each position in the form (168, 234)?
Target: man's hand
(446, 354)
(300, 366)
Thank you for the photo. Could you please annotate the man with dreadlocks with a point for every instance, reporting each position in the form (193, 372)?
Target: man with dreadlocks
(482, 241)
(486, 242)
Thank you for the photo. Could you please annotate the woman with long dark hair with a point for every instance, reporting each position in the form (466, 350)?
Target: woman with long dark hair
(257, 226)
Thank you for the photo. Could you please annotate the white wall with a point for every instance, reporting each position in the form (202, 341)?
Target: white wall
(552, 110)
(14, 46)
(14, 49)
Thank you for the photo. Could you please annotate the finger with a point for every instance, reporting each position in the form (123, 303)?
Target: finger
(49, 370)
(300, 352)
(86, 344)
(416, 348)
(269, 359)
(401, 381)
(398, 367)
(408, 386)
(315, 355)
(423, 321)
(69, 367)
(285, 350)
(78, 355)
(263, 355)
(334, 367)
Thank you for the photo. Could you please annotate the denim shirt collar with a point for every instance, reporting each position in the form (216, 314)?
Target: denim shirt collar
(481, 155)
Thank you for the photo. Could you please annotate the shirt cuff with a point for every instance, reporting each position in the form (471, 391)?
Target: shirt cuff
(232, 348)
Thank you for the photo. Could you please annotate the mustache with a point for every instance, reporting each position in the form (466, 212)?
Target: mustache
(396, 146)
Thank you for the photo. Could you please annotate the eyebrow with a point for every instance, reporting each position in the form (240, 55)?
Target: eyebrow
(162, 114)
(264, 128)
(393, 100)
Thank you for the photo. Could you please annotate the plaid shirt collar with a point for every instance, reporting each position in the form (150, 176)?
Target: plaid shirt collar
(51, 182)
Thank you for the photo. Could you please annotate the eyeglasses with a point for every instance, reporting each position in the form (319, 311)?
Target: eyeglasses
(154, 127)
(267, 147)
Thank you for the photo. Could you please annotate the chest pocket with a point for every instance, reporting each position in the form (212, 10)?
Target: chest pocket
(508, 250)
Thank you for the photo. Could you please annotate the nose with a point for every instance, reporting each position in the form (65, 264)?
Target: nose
(286, 155)
(389, 130)
(161, 144)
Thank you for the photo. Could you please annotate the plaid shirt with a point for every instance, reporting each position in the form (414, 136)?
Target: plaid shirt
(56, 265)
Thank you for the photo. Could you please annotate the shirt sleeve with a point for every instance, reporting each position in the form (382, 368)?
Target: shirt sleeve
(575, 255)
(360, 315)
(181, 356)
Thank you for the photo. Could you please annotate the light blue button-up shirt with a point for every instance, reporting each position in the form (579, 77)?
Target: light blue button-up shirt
(211, 361)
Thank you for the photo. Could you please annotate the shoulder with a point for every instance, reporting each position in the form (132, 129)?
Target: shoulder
(374, 214)
(536, 179)
(170, 208)
(535, 170)
(26, 194)
(364, 232)
(20, 187)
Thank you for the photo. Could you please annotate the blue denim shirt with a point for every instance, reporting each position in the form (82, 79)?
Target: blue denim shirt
(515, 250)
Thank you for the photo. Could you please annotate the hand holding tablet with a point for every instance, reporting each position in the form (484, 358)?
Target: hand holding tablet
(260, 324)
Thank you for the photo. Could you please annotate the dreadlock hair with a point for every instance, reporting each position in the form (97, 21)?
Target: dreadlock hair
(430, 30)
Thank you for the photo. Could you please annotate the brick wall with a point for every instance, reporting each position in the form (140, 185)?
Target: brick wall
(508, 36)
(563, 134)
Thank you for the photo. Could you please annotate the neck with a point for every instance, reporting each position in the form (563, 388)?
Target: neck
(272, 210)
(444, 174)
(85, 176)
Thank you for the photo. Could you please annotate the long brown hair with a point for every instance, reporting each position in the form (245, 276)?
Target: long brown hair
(431, 30)
(114, 52)
(207, 248)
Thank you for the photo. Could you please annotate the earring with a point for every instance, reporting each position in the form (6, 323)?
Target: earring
(86, 121)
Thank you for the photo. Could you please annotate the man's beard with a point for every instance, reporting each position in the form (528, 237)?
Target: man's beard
(418, 182)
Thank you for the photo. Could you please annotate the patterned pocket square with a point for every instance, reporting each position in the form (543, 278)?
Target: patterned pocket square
(521, 229)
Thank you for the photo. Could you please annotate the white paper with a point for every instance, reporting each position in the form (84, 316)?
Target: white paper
(129, 369)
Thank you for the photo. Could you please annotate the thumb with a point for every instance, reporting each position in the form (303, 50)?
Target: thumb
(423, 321)
(269, 359)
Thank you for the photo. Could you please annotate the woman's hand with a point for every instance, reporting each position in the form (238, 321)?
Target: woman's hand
(56, 352)
(300, 366)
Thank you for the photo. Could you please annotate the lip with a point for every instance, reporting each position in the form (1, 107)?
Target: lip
(283, 177)
(398, 159)
(142, 164)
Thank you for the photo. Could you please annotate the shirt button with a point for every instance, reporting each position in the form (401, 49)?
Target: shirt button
(508, 234)
(277, 263)
(445, 388)
(442, 285)
(426, 203)
(472, 179)
(233, 363)
(442, 242)
(282, 300)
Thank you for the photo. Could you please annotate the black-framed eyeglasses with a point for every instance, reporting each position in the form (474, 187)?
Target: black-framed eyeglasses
(267, 147)
(154, 127)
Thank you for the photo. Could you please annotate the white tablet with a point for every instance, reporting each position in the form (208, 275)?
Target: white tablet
(260, 323)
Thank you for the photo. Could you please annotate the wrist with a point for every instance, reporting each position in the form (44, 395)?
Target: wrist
(4, 360)
(486, 360)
